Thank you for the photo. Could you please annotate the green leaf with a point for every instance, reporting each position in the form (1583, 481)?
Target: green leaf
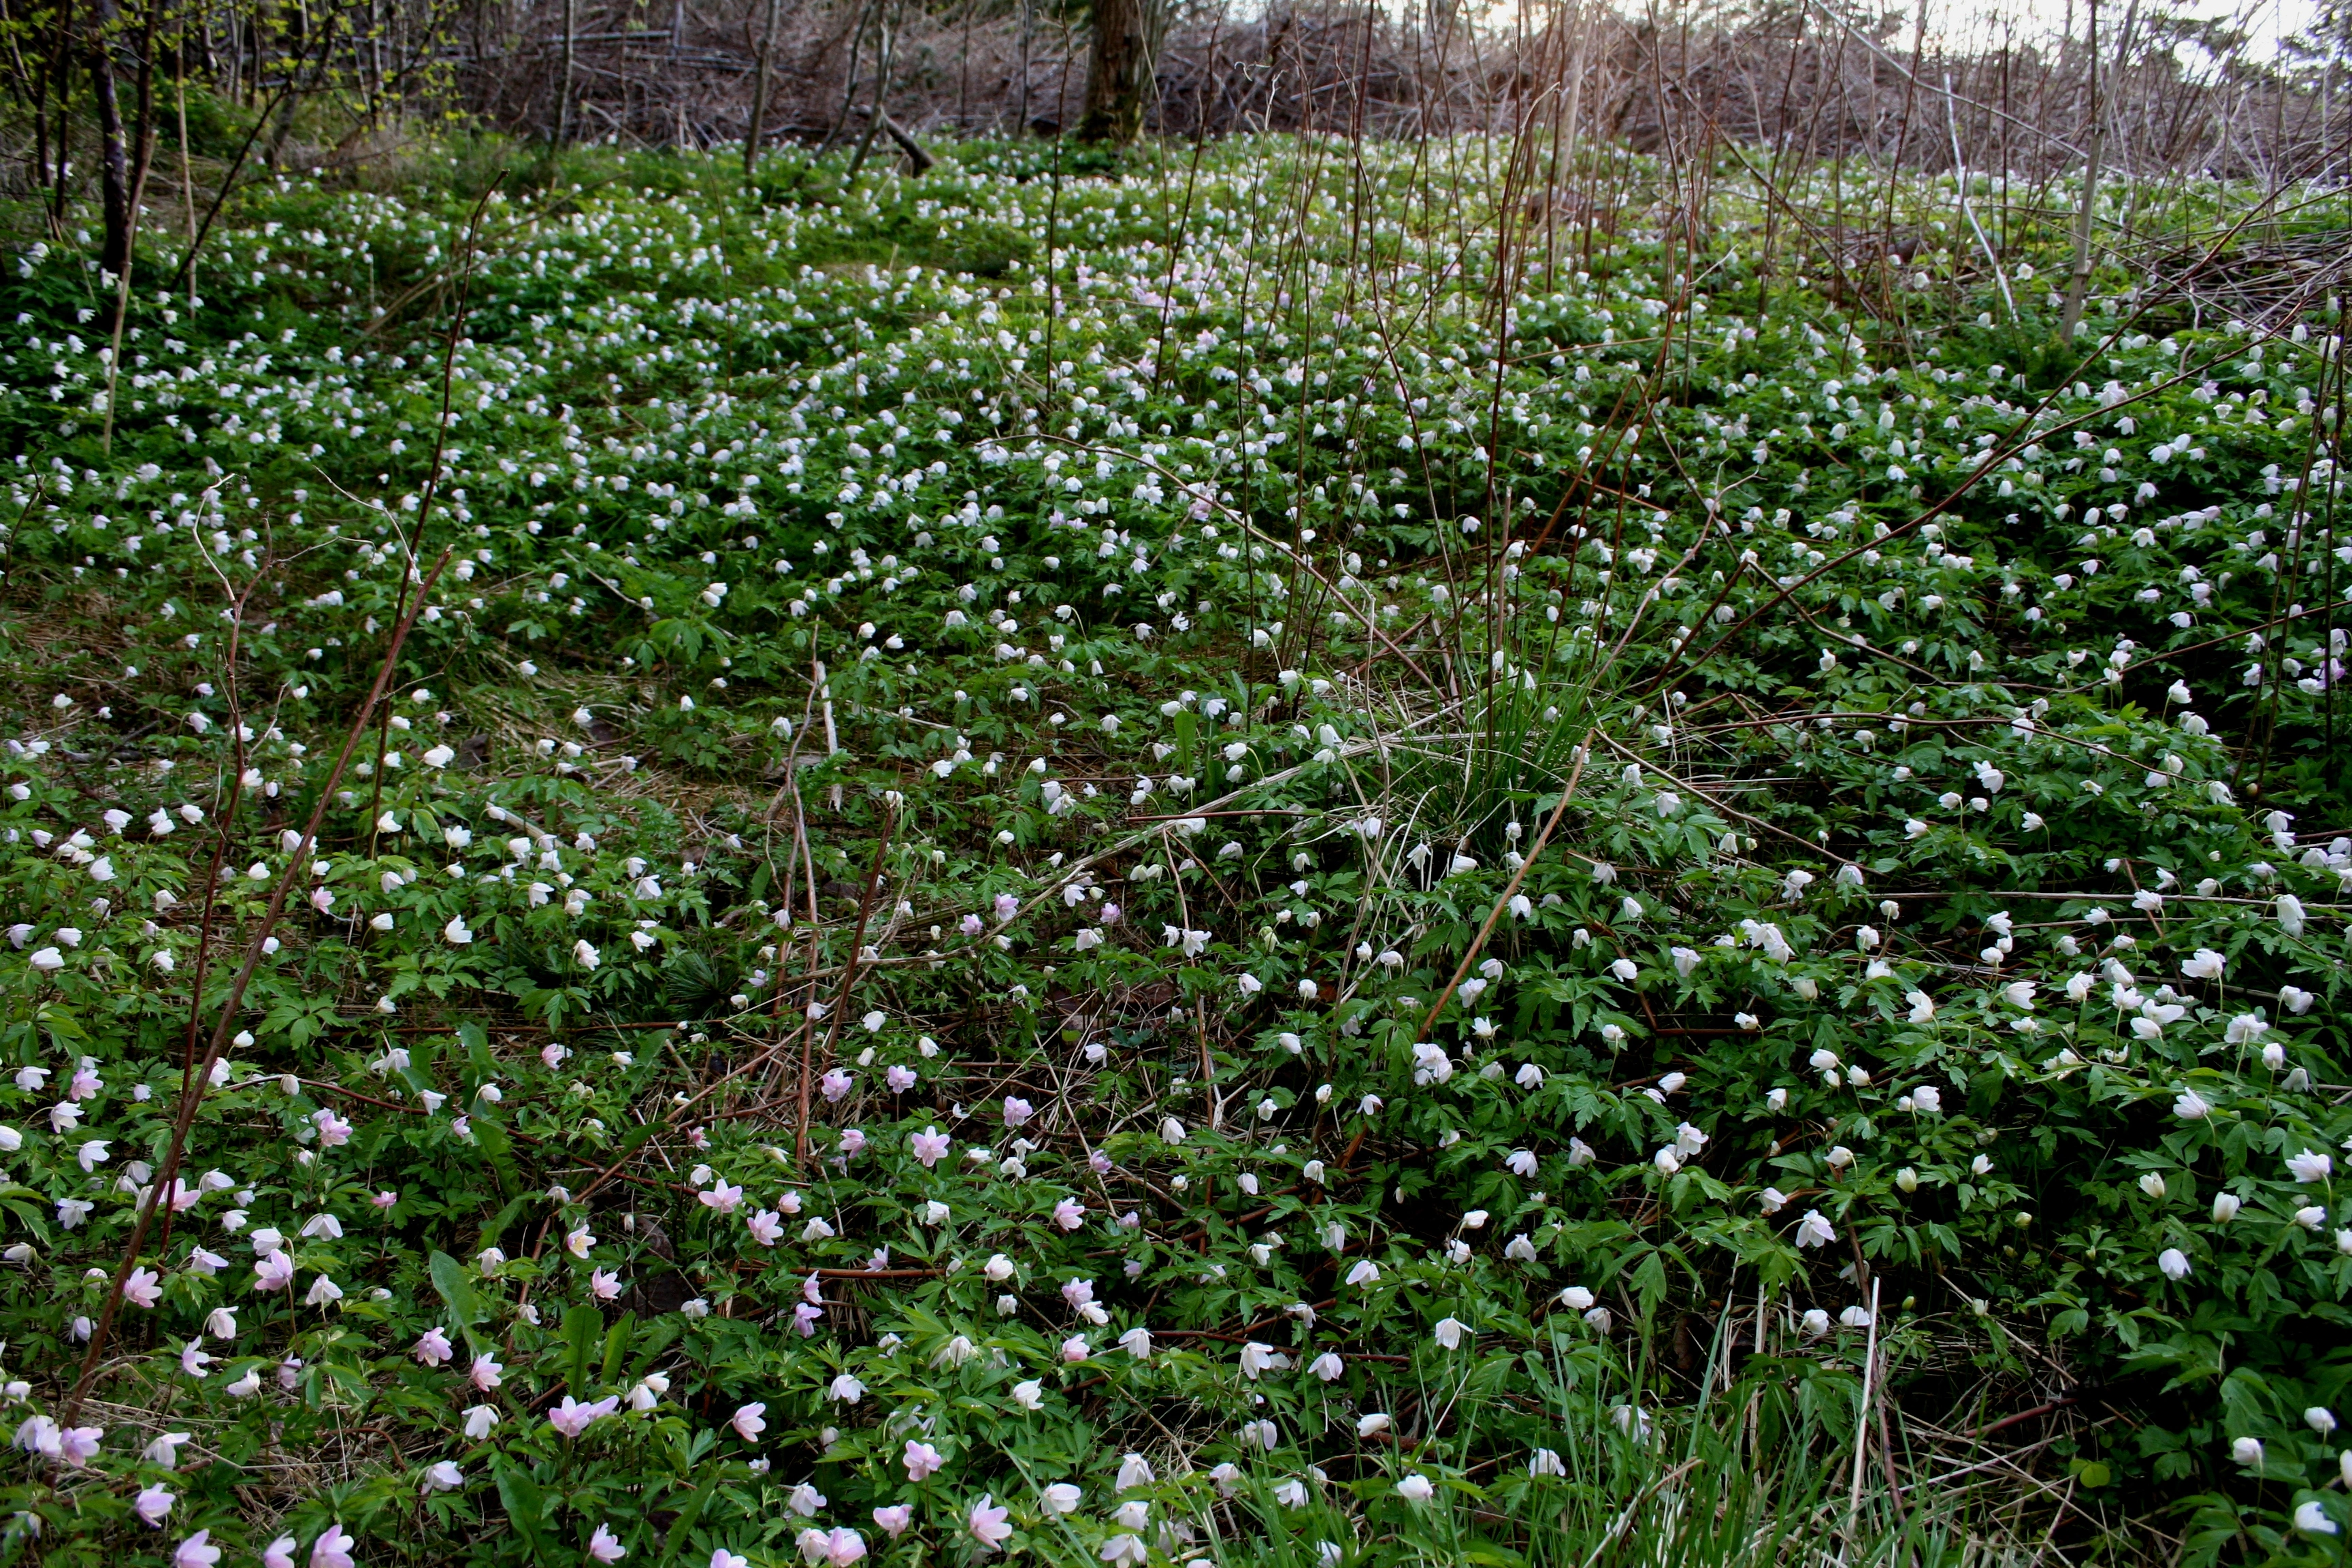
(659, 1335)
(525, 1504)
(616, 1345)
(684, 1524)
(582, 1327)
(449, 1279)
(501, 1220)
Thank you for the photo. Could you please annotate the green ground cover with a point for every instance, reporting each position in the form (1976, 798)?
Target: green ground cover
(1266, 859)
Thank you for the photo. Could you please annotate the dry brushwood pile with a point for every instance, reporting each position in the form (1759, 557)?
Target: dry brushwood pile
(1263, 860)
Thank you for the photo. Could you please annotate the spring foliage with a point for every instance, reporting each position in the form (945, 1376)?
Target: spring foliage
(1029, 888)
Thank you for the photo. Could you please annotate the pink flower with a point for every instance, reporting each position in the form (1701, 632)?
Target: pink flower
(750, 1421)
(805, 1317)
(152, 1503)
(765, 1225)
(332, 1550)
(485, 1375)
(843, 1547)
(921, 1459)
(723, 1197)
(970, 925)
(930, 1146)
(853, 1142)
(77, 1445)
(1110, 915)
(1007, 906)
(196, 1552)
(1099, 1163)
(901, 1080)
(813, 1290)
(274, 1271)
(605, 1283)
(893, 1522)
(991, 1525)
(1074, 1349)
(604, 1546)
(572, 1417)
(836, 1085)
(433, 1348)
(1069, 1213)
(333, 1130)
(143, 1288)
(279, 1553)
(1016, 1110)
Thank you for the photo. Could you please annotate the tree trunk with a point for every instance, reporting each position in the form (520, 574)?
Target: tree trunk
(114, 163)
(65, 136)
(876, 115)
(563, 93)
(754, 133)
(1119, 70)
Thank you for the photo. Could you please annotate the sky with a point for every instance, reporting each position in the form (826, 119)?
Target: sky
(2266, 21)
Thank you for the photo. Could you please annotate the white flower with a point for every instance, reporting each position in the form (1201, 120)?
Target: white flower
(2308, 1167)
(1257, 1359)
(2173, 1262)
(1415, 1488)
(2311, 1518)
